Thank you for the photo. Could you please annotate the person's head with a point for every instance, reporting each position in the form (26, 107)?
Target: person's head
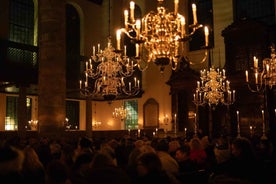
(101, 160)
(11, 160)
(173, 146)
(162, 145)
(85, 143)
(242, 148)
(148, 162)
(195, 144)
(182, 153)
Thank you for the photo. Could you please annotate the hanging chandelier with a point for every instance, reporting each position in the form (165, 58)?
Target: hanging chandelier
(120, 113)
(160, 36)
(213, 89)
(108, 74)
(263, 76)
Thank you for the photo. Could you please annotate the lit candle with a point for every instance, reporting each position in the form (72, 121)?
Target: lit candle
(263, 118)
(132, 5)
(238, 116)
(138, 27)
(256, 78)
(183, 32)
(90, 63)
(138, 83)
(128, 131)
(185, 130)
(118, 37)
(122, 81)
(99, 48)
(80, 84)
(234, 95)
(137, 49)
(153, 133)
(135, 82)
(175, 123)
(195, 125)
(246, 76)
(206, 31)
(94, 51)
(139, 132)
(126, 18)
(238, 122)
(129, 86)
(176, 6)
(194, 13)
(227, 84)
(255, 60)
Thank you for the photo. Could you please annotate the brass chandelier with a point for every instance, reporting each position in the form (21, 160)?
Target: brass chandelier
(214, 89)
(160, 36)
(108, 74)
(120, 113)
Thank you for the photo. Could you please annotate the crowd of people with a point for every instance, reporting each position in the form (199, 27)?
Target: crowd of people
(126, 160)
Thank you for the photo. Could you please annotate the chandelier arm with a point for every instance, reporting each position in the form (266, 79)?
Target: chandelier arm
(203, 59)
(127, 33)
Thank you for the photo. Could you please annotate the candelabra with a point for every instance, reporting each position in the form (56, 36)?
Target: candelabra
(264, 79)
(33, 124)
(265, 76)
(106, 72)
(161, 35)
(213, 89)
(120, 112)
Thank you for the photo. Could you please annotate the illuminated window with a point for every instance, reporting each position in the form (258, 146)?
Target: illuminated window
(21, 32)
(11, 119)
(72, 114)
(132, 118)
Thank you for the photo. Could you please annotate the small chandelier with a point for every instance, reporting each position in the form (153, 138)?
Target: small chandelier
(106, 74)
(120, 113)
(213, 89)
(265, 76)
(160, 36)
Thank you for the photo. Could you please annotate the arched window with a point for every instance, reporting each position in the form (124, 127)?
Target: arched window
(72, 65)
(21, 51)
(131, 120)
(72, 47)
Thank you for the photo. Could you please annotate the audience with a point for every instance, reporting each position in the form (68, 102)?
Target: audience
(130, 161)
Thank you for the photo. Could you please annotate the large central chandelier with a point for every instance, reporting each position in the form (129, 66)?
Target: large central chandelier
(160, 36)
(213, 89)
(108, 74)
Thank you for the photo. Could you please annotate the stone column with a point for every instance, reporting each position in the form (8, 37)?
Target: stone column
(22, 111)
(52, 67)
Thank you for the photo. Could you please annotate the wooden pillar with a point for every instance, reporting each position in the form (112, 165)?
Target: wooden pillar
(52, 67)
(88, 118)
